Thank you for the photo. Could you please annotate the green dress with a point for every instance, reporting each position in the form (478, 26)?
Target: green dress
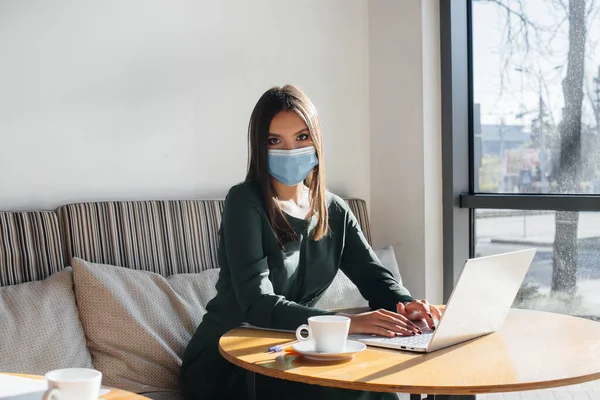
(265, 285)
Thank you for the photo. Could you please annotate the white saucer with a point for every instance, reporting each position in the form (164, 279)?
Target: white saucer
(307, 349)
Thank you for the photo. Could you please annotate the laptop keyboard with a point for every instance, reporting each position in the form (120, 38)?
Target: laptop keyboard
(417, 340)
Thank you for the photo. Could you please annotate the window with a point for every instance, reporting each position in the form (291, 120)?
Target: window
(524, 118)
(521, 139)
(499, 231)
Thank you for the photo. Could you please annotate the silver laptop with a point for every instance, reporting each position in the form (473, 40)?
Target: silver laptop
(482, 296)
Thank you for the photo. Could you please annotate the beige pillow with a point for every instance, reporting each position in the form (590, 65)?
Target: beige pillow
(40, 328)
(138, 323)
(342, 293)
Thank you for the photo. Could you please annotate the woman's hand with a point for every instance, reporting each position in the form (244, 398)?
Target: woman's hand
(419, 310)
(383, 323)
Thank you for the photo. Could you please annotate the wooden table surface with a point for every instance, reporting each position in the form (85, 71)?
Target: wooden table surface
(533, 350)
(114, 394)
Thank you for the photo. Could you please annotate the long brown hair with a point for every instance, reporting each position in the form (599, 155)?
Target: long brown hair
(272, 102)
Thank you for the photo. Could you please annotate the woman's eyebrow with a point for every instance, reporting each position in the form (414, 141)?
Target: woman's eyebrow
(278, 135)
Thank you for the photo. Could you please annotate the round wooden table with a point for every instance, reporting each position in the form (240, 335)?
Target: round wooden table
(533, 350)
(113, 394)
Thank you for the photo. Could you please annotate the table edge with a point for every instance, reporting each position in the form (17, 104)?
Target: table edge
(434, 390)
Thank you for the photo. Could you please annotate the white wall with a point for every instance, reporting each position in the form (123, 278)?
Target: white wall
(405, 140)
(149, 99)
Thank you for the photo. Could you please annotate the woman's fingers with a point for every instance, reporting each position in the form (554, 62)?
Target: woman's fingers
(397, 319)
(375, 326)
(424, 308)
(436, 312)
(378, 325)
(387, 323)
(420, 310)
(377, 330)
(390, 322)
(395, 328)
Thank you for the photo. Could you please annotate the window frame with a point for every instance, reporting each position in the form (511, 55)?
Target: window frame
(458, 186)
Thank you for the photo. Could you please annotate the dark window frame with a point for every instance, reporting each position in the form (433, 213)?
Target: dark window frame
(458, 187)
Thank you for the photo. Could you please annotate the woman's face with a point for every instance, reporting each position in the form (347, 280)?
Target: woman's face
(288, 132)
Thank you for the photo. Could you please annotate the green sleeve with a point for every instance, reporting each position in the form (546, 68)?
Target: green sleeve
(361, 265)
(243, 223)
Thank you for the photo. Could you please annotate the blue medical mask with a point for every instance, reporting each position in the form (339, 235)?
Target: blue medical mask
(291, 167)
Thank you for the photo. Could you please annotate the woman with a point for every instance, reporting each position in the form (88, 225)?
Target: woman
(282, 240)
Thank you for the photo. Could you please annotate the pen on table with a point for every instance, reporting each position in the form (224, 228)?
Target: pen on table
(282, 347)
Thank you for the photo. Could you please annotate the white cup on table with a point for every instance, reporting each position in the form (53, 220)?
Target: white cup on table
(73, 384)
(328, 332)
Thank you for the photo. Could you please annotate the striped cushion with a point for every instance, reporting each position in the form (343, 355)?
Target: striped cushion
(166, 237)
(359, 209)
(30, 246)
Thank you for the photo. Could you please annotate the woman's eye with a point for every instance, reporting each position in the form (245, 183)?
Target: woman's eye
(304, 136)
(273, 141)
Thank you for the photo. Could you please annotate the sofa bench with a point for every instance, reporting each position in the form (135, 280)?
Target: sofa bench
(119, 286)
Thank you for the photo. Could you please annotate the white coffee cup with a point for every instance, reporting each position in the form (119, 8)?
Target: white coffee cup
(329, 333)
(73, 384)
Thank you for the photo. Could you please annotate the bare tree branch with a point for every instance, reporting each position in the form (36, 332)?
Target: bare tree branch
(561, 4)
(549, 108)
(592, 18)
(593, 14)
(521, 38)
(525, 24)
(595, 107)
(590, 10)
(518, 14)
(595, 103)
(554, 33)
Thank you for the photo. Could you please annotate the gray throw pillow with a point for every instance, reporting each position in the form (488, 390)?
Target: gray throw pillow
(387, 256)
(138, 323)
(342, 293)
(40, 328)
